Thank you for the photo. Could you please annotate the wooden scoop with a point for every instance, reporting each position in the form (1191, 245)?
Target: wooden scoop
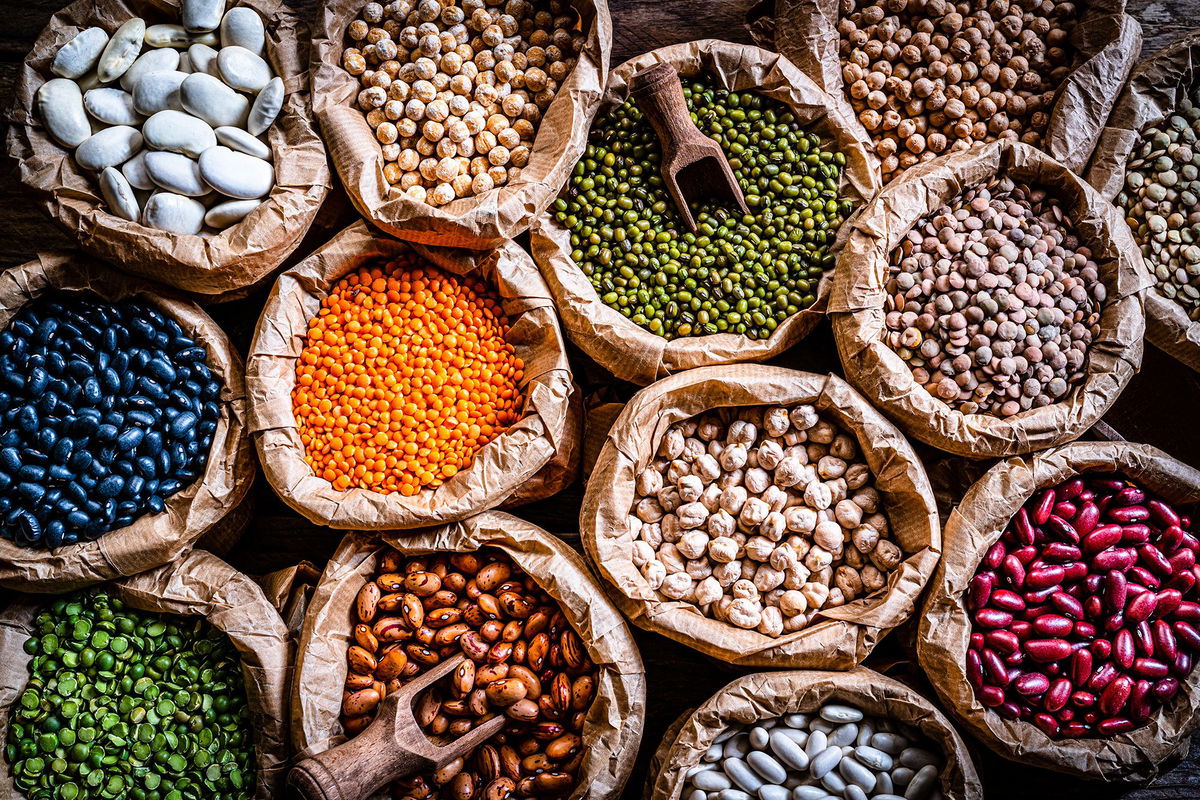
(693, 165)
(393, 746)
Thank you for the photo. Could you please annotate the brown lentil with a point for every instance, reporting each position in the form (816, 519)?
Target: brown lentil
(993, 301)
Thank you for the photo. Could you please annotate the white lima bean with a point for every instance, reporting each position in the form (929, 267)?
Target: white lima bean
(787, 526)
(139, 108)
(765, 761)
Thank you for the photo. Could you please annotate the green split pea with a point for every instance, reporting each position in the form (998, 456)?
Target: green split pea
(123, 703)
(736, 274)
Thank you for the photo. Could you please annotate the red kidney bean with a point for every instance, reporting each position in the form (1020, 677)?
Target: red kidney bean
(1071, 489)
(1044, 507)
(1143, 634)
(1114, 725)
(1135, 533)
(1166, 689)
(1084, 630)
(1162, 513)
(1143, 576)
(1141, 607)
(1021, 628)
(1031, 684)
(1094, 606)
(1087, 518)
(1101, 648)
(1044, 576)
(1057, 694)
(1101, 538)
(1129, 496)
(1014, 570)
(1004, 641)
(1114, 558)
(1115, 590)
(1074, 730)
(1164, 640)
(977, 641)
(1183, 664)
(1185, 631)
(1044, 650)
(1075, 572)
(1102, 677)
(1066, 509)
(1123, 648)
(1154, 560)
(1039, 597)
(1023, 527)
(974, 670)
(1128, 514)
(981, 589)
(1183, 581)
(1026, 554)
(1053, 625)
(1005, 600)
(1150, 668)
(1061, 551)
(1066, 604)
(1058, 526)
(994, 669)
(1082, 699)
(1047, 724)
(1115, 695)
(995, 555)
(1009, 710)
(1114, 623)
(992, 618)
(1139, 701)
(1168, 601)
(1181, 560)
(990, 696)
(1171, 539)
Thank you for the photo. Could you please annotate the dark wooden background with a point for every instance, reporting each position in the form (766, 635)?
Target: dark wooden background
(1157, 408)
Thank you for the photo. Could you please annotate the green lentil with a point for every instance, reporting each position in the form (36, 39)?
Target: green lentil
(738, 273)
(156, 711)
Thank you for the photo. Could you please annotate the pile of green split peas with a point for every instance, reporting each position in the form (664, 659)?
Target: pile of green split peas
(123, 703)
(740, 274)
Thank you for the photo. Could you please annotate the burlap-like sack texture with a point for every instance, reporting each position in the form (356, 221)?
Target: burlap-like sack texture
(1106, 41)
(613, 728)
(765, 695)
(198, 584)
(633, 353)
(153, 539)
(509, 466)
(482, 221)
(839, 638)
(1154, 89)
(974, 526)
(224, 262)
(860, 290)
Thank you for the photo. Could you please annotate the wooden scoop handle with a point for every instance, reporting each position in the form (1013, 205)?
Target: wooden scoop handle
(659, 94)
(357, 768)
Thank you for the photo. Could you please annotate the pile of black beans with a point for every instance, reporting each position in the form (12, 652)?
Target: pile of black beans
(106, 410)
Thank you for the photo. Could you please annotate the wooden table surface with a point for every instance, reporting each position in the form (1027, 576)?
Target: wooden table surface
(1162, 394)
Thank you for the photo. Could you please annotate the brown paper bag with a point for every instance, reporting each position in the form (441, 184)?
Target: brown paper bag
(945, 631)
(614, 722)
(842, 636)
(1106, 40)
(1152, 93)
(479, 222)
(764, 695)
(153, 539)
(212, 265)
(198, 584)
(500, 471)
(860, 288)
(633, 353)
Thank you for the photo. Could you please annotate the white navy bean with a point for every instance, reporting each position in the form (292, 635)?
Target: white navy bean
(887, 797)
(875, 759)
(696, 770)
(243, 70)
(733, 794)
(825, 761)
(714, 751)
(883, 783)
(179, 133)
(204, 59)
(122, 50)
(119, 194)
(80, 55)
(835, 712)
(111, 106)
(759, 736)
(158, 91)
(890, 743)
(150, 61)
(242, 27)
(844, 735)
(921, 786)
(916, 757)
(854, 793)
(817, 742)
(711, 780)
(772, 792)
(266, 108)
(737, 746)
(767, 767)
(108, 148)
(211, 100)
(176, 173)
(809, 793)
(865, 732)
(201, 16)
(134, 171)
(799, 737)
(822, 725)
(788, 750)
(796, 720)
(724, 735)
(857, 774)
(60, 105)
(741, 774)
(167, 36)
(834, 783)
(902, 775)
(696, 794)
(174, 213)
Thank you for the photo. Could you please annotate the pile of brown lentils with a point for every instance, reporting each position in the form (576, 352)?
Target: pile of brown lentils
(929, 76)
(455, 90)
(523, 661)
(993, 301)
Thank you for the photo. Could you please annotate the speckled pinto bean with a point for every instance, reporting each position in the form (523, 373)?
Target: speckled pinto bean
(1085, 611)
(833, 752)
(524, 661)
(761, 517)
(993, 302)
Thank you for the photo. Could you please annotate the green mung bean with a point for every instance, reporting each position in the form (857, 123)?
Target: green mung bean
(123, 703)
(738, 273)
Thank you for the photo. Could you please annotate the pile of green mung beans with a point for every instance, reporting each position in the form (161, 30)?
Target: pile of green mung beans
(123, 703)
(737, 274)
